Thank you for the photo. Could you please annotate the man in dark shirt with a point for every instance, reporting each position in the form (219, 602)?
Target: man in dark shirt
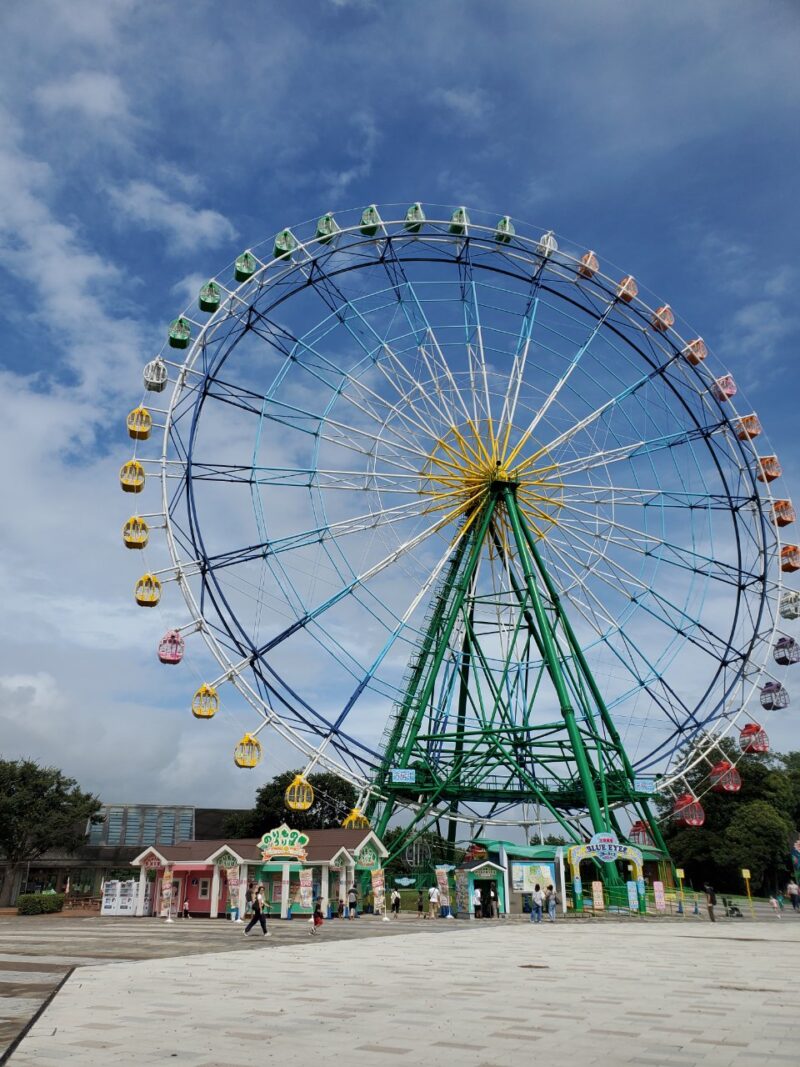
(711, 900)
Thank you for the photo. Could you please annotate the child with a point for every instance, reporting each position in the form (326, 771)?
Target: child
(775, 907)
(186, 908)
(316, 918)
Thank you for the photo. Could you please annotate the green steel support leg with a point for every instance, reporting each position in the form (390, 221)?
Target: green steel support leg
(554, 667)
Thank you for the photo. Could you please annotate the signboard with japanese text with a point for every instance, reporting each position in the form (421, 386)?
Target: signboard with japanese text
(658, 893)
(283, 843)
(404, 775)
(444, 887)
(378, 891)
(306, 887)
(598, 903)
(633, 896)
(462, 892)
(525, 876)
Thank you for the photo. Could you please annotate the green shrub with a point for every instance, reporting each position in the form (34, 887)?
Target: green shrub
(39, 903)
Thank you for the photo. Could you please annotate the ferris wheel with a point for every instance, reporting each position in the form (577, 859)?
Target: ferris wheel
(465, 520)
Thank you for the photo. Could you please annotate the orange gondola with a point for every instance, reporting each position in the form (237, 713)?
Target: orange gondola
(769, 468)
(695, 351)
(627, 289)
(790, 558)
(663, 318)
(748, 427)
(783, 514)
(589, 265)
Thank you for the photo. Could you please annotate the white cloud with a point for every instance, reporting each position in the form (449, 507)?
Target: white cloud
(185, 227)
(469, 104)
(93, 94)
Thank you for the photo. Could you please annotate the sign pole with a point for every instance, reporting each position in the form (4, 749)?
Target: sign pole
(681, 903)
(746, 876)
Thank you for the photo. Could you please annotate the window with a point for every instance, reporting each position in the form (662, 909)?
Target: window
(114, 824)
(205, 888)
(150, 832)
(133, 827)
(185, 824)
(166, 828)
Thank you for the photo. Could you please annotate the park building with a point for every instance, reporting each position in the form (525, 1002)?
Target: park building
(113, 840)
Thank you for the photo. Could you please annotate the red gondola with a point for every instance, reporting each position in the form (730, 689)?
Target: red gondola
(786, 651)
(774, 697)
(589, 265)
(790, 558)
(753, 739)
(639, 834)
(688, 811)
(171, 647)
(725, 778)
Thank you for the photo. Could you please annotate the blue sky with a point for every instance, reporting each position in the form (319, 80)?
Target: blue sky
(143, 145)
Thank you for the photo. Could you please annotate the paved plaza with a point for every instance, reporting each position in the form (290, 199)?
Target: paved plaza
(474, 994)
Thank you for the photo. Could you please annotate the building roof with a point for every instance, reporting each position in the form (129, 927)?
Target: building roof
(322, 847)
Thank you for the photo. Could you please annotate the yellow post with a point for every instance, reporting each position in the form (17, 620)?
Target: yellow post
(679, 876)
(746, 876)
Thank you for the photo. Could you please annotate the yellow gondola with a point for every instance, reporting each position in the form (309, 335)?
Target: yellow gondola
(248, 752)
(140, 423)
(148, 591)
(131, 476)
(300, 794)
(356, 821)
(205, 704)
(135, 532)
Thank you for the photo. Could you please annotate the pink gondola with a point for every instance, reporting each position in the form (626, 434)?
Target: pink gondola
(171, 647)
(786, 651)
(724, 388)
(774, 696)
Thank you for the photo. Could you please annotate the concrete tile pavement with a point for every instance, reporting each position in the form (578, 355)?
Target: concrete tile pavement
(474, 995)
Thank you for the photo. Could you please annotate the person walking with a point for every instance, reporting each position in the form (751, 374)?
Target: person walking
(248, 899)
(258, 913)
(537, 900)
(793, 893)
(492, 902)
(352, 902)
(420, 905)
(433, 902)
(316, 918)
(476, 902)
(711, 900)
(551, 901)
(395, 902)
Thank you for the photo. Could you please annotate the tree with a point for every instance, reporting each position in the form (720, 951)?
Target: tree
(334, 798)
(40, 809)
(757, 839)
(718, 850)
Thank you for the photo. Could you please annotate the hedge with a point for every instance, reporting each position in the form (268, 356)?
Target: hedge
(39, 903)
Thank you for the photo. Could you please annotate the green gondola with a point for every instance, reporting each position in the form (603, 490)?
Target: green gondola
(285, 244)
(370, 221)
(459, 221)
(179, 333)
(327, 228)
(415, 217)
(210, 297)
(245, 267)
(504, 231)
